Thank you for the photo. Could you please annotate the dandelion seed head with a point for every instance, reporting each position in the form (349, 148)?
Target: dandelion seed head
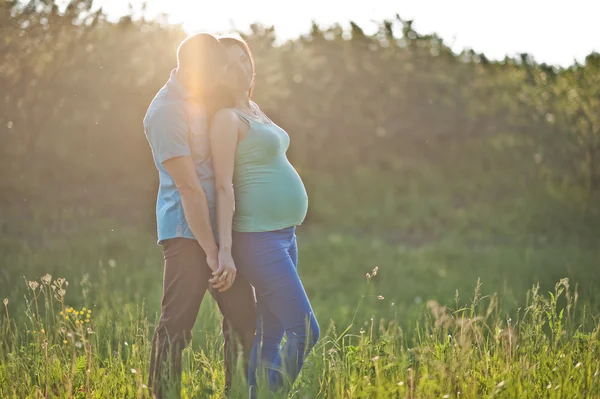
(78, 344)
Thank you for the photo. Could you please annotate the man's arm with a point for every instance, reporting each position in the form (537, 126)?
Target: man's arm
(195, 204)
(167, 132)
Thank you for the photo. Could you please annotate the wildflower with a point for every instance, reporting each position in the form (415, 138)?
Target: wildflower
(380, 297)
(549, 386)
(61, 313)
(70, 310)
(375, 271)
(61, 292)
(446, 396)
(83, 309)
(133, 371)
(401, 383)
(76, 321)
(81, 312)
(368, 276)
(126, 344)
(578, 365)
(65, 341)
(375, 358)
(112, 263)
(89, 330)
(87, 320)
(47, 279)
(144, 386)
(78, 344)
(43, 331)
(5, 301)
(501, 384)
(89, 311)
(66, 317)
(33, 285)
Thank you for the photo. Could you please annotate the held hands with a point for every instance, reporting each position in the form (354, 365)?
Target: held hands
(224, 271)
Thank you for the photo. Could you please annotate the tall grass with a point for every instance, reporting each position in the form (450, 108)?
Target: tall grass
(548, 349)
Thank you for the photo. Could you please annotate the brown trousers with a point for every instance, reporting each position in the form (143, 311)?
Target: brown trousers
(186, 276)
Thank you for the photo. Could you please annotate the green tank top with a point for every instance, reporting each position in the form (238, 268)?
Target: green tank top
(269, 194)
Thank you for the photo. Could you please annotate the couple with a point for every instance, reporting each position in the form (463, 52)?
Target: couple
(228, 205)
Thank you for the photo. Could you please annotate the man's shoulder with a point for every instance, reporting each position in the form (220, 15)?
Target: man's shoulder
(165, 105)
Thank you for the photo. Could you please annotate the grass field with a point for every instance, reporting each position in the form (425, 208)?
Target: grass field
(454, 310)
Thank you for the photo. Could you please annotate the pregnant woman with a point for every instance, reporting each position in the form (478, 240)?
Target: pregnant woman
(260, 201)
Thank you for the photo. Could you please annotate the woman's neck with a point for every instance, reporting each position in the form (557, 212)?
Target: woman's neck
(242, 101)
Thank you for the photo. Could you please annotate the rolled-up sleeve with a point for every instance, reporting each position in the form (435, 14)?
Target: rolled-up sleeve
(167, 131)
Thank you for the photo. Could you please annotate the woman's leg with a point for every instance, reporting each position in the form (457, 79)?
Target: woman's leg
(265, 260)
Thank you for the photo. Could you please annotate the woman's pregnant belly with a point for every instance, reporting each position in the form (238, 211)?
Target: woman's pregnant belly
(268, 199)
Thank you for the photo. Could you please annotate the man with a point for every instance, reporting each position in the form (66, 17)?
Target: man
(176, 128)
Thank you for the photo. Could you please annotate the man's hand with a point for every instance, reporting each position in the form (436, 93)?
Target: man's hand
(213, 261)
(224, 276)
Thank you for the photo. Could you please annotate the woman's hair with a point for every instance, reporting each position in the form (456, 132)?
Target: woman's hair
(222, 97)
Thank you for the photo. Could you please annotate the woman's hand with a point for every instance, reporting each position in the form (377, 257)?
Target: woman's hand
(224, 276)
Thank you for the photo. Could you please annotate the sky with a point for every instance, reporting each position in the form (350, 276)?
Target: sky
(550, 30)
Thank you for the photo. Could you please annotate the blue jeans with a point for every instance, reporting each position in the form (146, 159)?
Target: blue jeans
(268, 261)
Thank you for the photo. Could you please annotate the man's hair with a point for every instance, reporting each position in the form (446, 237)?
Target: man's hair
(201, 52)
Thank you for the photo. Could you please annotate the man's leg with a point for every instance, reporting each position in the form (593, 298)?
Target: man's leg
(186, 275)
(238, 307)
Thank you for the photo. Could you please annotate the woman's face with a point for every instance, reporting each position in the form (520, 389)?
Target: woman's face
(239, 72)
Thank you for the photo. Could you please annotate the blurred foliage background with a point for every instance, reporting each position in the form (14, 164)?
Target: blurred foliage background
(438, 167)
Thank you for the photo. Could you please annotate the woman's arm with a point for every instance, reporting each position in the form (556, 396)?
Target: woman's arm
(223, 143)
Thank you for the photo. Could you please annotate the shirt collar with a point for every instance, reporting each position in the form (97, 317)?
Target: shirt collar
(178, 87)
